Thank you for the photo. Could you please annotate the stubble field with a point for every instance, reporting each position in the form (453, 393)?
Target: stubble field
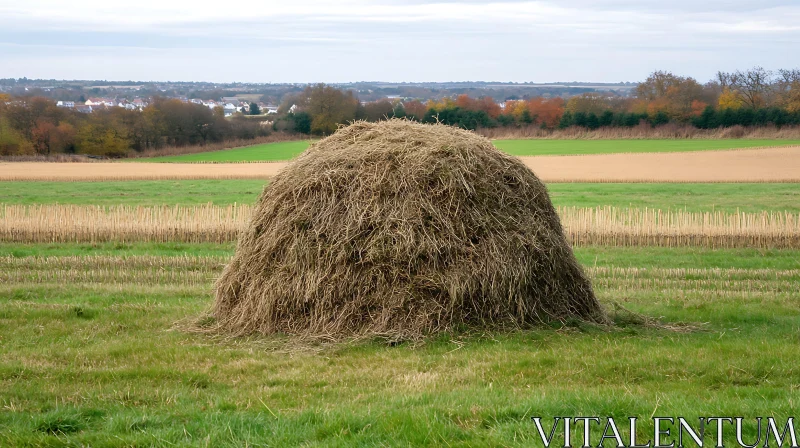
(93, 352)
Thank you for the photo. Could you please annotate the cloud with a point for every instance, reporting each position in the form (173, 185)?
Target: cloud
(398, 40)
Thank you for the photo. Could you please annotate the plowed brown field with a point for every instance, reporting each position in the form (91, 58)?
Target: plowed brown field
(746, 165)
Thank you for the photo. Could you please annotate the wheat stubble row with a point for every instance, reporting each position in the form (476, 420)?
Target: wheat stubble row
(209, 223)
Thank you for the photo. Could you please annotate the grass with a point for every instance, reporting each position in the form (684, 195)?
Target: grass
(103, 365)
(574, 147)
(136, 192)
(692, 197)
(90, 354)
(268, 152)
(289, 150)
(117, 249)
(599, 256)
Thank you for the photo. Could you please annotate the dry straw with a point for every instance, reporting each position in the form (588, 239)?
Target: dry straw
(653, 227)
(609, 226)
(402, 229)
(80, 223)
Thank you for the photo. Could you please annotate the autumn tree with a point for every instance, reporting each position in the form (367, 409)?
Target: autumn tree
(587, 103)
(186, 123)
(516, 109)
(378, 110)
(673, 95)
(24, 113)
(752, 86)
(791, 100)
(42, 136)
(441, 104)
(787, 88)
(489, 105)
(11, 141)
(96, 139)
(729, 99)
(415, 109)
(465, 102)
(546, 112)
(657, 85)
(329, 107)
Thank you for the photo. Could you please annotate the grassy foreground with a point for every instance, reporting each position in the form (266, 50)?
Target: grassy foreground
(692, 197)
(97, 362)
(289, 150)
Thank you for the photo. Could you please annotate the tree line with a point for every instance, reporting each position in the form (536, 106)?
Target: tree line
(36, 126)
(755, 97)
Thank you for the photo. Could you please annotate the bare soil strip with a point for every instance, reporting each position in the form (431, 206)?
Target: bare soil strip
(743, 165)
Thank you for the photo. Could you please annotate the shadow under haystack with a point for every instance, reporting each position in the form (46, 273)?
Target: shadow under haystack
(402, 229)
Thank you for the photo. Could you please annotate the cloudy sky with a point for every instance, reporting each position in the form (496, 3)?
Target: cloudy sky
(408, 40)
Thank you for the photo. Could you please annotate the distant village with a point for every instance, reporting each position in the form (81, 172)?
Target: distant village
(229, 105)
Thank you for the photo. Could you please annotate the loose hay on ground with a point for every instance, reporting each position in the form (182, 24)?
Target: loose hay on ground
(402, 229)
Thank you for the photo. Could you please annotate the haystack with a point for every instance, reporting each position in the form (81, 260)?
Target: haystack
(402, 229)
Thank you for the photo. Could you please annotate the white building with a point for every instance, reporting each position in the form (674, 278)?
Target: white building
(229, 109)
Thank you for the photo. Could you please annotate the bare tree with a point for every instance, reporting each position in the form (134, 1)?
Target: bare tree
(754, 86)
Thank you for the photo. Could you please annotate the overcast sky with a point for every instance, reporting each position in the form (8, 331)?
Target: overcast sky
(410, 40)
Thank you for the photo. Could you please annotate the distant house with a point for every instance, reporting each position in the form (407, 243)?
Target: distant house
(292, 109)
(229, 109)
(83, 108)
(66, 104)
(100, 102)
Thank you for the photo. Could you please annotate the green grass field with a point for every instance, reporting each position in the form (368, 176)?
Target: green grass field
(626, 257)
(574, 147)
(267, 152)
(94, 350)
(289, 150)
(692, 197)
(102, 363)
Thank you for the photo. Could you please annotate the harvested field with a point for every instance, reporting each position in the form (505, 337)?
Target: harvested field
(135, 171)
(92, 334)
(191, 271)
(584, 226)
(45, 223)
(745, 165)
(609, 226)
